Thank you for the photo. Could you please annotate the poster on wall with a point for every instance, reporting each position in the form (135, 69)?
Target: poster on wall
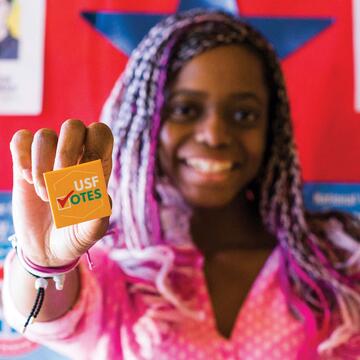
(22, 33)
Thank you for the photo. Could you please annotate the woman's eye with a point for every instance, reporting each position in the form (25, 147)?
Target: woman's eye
(183, 112)
(245, 117)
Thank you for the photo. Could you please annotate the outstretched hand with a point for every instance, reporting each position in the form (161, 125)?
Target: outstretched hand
(35, 154)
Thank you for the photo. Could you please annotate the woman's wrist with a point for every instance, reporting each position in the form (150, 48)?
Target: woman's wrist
(57, 273)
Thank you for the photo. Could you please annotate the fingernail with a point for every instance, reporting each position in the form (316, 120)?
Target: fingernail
(41, 191)
(27, 175)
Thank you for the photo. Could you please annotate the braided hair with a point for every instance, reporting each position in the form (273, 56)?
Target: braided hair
(319, 262)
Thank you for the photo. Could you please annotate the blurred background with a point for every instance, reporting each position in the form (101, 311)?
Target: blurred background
(60, 59)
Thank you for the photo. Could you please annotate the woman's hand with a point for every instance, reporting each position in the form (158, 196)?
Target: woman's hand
(44, 151)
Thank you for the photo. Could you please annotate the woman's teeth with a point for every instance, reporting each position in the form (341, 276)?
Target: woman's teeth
(209, 166)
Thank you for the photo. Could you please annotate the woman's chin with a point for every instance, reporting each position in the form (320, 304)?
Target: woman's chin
(208, 200)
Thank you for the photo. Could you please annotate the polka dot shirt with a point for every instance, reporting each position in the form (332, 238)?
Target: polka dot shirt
(94, 328)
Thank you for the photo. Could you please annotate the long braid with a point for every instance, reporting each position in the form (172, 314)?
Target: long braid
(140, 202)
(285, 215)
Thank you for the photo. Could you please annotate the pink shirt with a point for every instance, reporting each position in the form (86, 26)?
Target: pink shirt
(94, 328)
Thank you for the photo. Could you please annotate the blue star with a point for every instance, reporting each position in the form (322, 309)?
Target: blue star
(287, 34)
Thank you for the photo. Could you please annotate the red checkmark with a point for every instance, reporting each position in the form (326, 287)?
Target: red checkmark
(63, 201)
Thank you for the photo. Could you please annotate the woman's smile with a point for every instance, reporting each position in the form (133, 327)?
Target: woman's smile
(206, 170)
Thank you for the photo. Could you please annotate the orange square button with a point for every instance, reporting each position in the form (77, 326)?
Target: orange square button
(77, 193)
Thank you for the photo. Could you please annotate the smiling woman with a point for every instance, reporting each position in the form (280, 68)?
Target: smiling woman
(210, 253)
(213, 138)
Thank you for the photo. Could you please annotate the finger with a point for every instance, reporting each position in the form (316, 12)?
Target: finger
(43, 151)
(70, 143)
(90, 232)
(64, 248)
(98, 145)
(20, 147)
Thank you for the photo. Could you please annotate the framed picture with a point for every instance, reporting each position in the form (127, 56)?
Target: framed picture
(22, 33)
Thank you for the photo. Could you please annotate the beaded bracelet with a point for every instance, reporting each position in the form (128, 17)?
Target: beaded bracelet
(42, 274)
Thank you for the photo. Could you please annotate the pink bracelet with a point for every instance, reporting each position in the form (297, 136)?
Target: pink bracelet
(51, 270)
(56, 273)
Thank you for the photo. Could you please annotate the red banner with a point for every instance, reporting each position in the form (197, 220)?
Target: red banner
(81, 66)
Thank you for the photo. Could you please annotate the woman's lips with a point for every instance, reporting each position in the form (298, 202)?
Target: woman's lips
(211, 169)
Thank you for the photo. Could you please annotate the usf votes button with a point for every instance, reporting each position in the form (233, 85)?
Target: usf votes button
(77, 193)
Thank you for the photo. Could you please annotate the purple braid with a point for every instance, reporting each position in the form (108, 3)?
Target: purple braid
(319, 267)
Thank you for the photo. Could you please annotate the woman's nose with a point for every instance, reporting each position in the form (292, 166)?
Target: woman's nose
(213, 131)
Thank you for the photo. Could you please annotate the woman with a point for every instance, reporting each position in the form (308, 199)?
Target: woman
(210, 253)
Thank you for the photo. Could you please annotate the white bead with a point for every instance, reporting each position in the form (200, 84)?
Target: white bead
(59, 281)
(13, 240)
(41, 283)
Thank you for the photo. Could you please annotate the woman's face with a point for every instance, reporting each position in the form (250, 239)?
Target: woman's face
(215, 119)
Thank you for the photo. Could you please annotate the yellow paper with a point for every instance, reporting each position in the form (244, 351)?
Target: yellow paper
(77, 193)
